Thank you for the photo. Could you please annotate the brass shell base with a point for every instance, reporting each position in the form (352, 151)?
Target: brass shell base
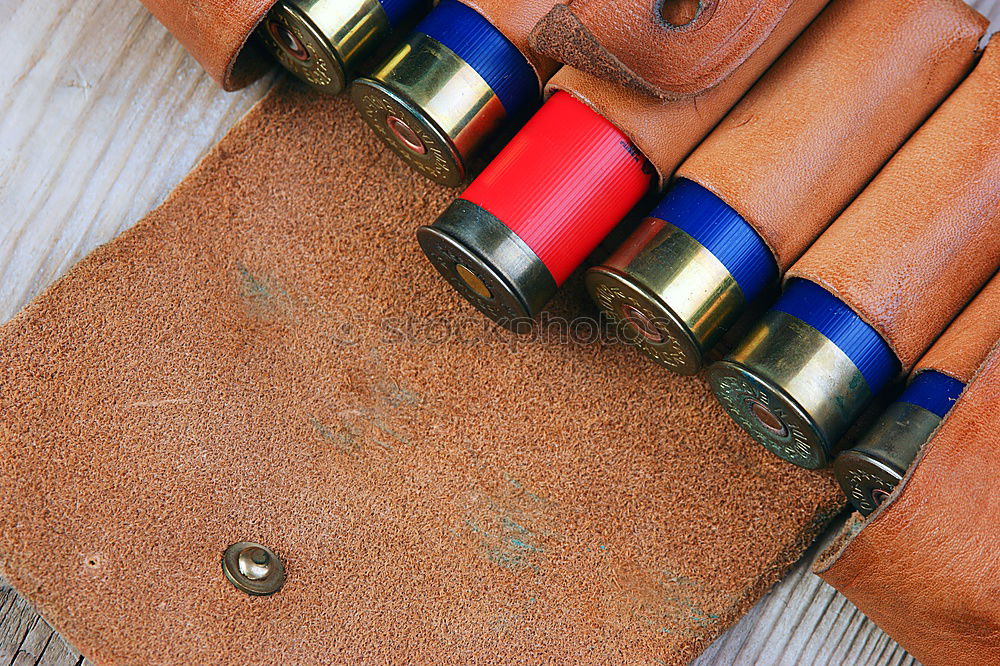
(323, 69)
(445, 108)
(438, 158)
(871, 470)
(791, 389)
(675, 296)
(488, 264)
(793, 435)
(863, 478)
(651, 326)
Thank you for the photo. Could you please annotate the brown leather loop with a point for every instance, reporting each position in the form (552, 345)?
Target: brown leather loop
(216, 34)
(630, 42)
(921, 240)
(666, 131)
(962, 348)
(835, 107)
(924, 566)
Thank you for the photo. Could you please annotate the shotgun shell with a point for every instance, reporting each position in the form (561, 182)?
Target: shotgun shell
(443, 93)
(537, 210)
(684, 276)
(803, 374)
(870, 471)
(322, 42)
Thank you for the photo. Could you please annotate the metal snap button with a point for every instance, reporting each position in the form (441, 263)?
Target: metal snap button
(253, 568)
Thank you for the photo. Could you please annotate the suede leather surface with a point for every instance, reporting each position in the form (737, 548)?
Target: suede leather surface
(962, 348)
(924, 566)
(921, 240)
(269, 357)
(835, 107)
(601, 37)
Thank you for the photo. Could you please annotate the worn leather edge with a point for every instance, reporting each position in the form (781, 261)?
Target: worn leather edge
(247, 64)
(561, 35)
(966, 343)
(217, 35)
(852, 541)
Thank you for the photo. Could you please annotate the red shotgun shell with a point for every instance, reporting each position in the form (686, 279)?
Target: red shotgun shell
(535, 213)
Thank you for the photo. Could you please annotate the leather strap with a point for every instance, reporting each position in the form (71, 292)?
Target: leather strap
(925, 566)
(666, 131)
(960, 350)
(215, 33)
(820, 124)
(634, 43)
(921, 240)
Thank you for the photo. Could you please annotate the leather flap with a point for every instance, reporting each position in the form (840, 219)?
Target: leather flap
(673, 49)
(925, 566)
(268, 357)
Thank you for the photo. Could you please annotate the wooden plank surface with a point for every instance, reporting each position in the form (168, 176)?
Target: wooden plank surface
(102, 114)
